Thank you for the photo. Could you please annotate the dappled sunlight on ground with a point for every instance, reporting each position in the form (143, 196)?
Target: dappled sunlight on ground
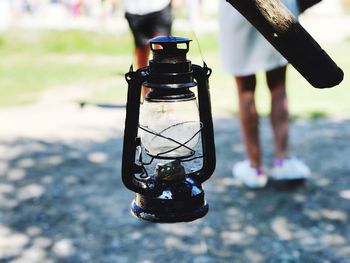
(62, 199)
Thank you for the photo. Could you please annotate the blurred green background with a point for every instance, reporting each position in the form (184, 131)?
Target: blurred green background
(35, 61)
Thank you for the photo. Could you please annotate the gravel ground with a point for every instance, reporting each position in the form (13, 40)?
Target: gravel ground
(62, 199)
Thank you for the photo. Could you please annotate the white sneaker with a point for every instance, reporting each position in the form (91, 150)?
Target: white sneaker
(249, 176)
(290, 169)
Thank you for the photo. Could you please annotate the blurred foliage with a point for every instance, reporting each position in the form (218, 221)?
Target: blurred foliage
(34, 61)
(69, 41)
(37, 60)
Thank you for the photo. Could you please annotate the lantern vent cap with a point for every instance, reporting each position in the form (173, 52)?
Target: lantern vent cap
(169, 49)
(169, 39)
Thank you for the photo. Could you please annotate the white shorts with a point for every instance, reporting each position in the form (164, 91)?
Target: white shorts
(244, 51)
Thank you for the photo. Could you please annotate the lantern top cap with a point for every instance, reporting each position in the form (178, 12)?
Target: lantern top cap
(169, 49)
(169, 39)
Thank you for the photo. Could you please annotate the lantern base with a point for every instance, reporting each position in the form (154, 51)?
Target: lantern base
(182, 202)
(167, 217)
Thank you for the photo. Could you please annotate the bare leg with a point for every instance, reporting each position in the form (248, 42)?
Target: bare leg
(142, 53)
(249, 118)
(276, 80)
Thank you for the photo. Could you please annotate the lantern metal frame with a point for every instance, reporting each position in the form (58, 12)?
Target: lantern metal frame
(149, 188)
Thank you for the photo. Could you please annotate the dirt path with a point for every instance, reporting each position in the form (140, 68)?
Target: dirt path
(62, 199)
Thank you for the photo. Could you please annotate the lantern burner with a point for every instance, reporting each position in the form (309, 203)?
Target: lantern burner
(170, 171)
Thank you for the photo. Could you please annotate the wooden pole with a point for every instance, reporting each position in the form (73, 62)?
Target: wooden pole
(275, 22)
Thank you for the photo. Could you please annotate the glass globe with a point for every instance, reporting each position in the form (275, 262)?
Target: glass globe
(169, 122)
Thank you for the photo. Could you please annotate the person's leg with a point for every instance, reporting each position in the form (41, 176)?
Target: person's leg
(138, 26)
(249, 118)
(276, 81)
(285, 168)
(141, 54)
(154, 25)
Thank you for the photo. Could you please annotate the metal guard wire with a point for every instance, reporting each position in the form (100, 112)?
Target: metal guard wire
(144, 174)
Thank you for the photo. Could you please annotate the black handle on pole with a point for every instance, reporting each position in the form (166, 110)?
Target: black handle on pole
(283, 31)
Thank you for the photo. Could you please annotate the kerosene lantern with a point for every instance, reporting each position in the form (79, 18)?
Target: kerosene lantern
(169, 148)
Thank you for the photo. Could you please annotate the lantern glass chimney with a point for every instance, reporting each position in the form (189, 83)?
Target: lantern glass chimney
(170, 129)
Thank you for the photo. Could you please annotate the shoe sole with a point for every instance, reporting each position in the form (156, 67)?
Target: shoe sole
(288, 184)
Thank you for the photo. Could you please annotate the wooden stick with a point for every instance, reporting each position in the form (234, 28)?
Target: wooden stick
(275, 22)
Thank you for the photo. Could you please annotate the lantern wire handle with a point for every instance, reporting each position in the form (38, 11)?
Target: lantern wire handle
(198, 44)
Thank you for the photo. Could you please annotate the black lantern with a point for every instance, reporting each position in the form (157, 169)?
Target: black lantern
(169, 148)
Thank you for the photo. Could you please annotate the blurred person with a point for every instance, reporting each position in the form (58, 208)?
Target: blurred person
(77, 7)
(74, 7)
(244, 51)
(27, 6)
(147, 19)
(35, 5)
